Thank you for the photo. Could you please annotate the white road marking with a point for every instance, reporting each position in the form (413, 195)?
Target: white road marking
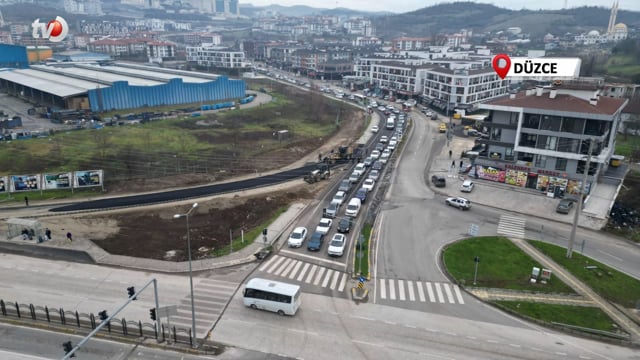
(321, 271)
(276, 264)
(295, 270)
(412, 296)
(327, 277)
(343, 282)
(439, 293)
(392, 290)
(334, 281)
(420, 291)
(401, 290)
(304, 271)
(283, 266)
(311, 272)
(447, 290)
(430, 292)
(383, 289)
(456, 288)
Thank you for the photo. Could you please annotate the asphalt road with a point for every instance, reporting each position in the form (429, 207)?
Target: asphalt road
(183, 194)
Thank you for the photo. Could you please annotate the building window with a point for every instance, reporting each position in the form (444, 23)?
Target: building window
(541, 161)
(547, 142)
(528, 140)
(561, 164)
(572, 125)
(531, 121)
(508, 154)
(496, 134)
(551, 123)
(568, 145)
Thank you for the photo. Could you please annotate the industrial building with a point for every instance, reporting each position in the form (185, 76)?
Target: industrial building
(114, 86)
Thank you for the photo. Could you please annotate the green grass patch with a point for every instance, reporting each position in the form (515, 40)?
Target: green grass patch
(627, 144)
(622, 65)
(249, 236)
(362, 261)
(502, 265)
(53, 194)
(607, 282)
(588, 317)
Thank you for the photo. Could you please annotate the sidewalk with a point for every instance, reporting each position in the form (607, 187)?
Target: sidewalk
(511, 198)
(276, 230)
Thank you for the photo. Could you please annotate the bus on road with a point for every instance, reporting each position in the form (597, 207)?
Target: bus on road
(272, 295)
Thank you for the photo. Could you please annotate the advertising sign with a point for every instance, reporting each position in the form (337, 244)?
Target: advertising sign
(490, 173)
(4, 182)
(57, 181)
(25, 182)
(88, 178)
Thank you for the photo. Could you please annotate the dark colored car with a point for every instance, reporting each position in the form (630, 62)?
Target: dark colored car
(377, 165)
(315, 243)
(564, 206)
(380, 146)
(345, 185)
(344, 226)
(361, 194)
(438, 180)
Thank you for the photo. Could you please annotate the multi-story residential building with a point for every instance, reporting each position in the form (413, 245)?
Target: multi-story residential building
(128, 47)
(463, 87)
(329, 63)
(367, 41)
(216, 57)
(280, 55)
(410, 43)
(359, 26)
(160, 50)
(202, 38)
(540, 139)
(5, 37)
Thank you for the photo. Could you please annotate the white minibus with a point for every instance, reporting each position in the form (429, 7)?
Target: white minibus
(272, 295)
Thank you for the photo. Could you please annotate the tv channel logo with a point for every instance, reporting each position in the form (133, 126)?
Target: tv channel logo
(55, 30)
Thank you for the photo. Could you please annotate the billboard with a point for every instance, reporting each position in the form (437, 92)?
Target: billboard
(4, 182)
(56, 181)
(25, 182)
(88, 178)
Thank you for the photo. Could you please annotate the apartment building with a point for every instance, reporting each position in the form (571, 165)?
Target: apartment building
(540, 139)
(126, 47)
(462, 86)
(216, 57)
(410, 43)
(359, 26)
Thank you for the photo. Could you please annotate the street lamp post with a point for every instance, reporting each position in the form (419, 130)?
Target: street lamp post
(576, 215)
(193, 309)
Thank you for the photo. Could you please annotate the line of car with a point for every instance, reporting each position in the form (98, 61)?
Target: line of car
(373, 164)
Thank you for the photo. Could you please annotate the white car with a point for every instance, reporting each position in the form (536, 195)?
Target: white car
(375, 129)
(467, 186)
(369, 184)
(375, 154)
(459, 202)
(337, 245)
(360, 169)
(324, 226)
(338, 198)
(392, 144)
(297, 237)
(384, 139)
(385, 156)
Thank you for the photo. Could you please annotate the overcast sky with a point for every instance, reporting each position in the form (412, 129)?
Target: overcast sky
(400, 6)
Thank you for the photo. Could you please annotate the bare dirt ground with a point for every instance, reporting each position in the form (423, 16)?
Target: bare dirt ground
(151, 232)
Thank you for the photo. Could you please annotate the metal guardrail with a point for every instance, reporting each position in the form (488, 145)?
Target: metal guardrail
(593, 331)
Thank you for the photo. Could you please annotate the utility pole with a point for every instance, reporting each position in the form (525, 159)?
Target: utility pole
(576, 214)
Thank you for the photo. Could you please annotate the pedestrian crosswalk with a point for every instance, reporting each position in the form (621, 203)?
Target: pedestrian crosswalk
(419, 291)
(210, 297)
(304, 272)
(512, 226)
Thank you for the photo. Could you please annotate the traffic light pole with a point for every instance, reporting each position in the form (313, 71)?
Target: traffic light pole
(108, 319)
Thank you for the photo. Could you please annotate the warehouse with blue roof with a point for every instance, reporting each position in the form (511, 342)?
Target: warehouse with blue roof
(114, 86)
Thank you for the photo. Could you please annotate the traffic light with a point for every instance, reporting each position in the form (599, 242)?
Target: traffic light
(132, 291)
(264, 231)
(67, 346)
(103, 315)
(152, 313)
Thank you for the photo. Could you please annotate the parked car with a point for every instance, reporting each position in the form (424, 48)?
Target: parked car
(315, 242)
(332, 210)
(345, 185)
(297, 237)
(362, 194)
(337, 245)
(324, 226)
(467, 186)
(564, 206)
(378, 165)
(369, 184)
(344, 225)
(339, 197)
(459, 202)
(438, 180)
(374, 174)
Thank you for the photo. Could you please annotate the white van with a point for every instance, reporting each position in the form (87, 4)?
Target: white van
(353, 208)
(391, 123)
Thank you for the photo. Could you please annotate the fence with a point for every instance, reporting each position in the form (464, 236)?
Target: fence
(119, 327)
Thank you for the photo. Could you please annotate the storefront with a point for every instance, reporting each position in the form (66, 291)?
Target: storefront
(553, 183)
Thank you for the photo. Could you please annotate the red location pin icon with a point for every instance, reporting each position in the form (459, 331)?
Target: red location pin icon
(502, 69)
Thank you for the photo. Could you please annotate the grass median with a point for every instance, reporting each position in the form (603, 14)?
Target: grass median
(609, 283)
(362, 251)
(502, 265)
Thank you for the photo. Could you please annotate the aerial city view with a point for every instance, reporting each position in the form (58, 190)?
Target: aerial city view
(298, 179)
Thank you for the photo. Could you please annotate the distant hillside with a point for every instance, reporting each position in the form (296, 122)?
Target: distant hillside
(452, 17)
(303, 10)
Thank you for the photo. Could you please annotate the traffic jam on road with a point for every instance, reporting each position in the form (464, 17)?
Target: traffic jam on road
(330, 235)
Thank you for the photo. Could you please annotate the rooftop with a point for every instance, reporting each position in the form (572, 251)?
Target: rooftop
(562, 102)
